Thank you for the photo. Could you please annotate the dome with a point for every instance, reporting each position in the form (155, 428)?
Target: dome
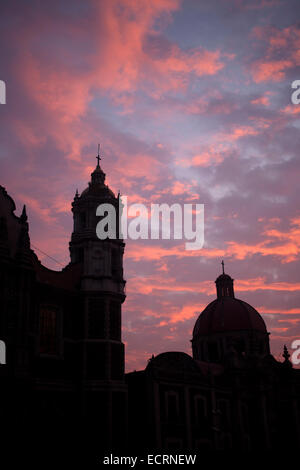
(229, 326)
(223, 277)
(98, 190)
(97, 186)
(228, 314)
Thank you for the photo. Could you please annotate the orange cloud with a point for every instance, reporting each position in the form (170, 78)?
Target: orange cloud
(157, 252)
(291, 311)
(280, 43)
(215, 153)
(270, 70)
(280, 329)
(291, 109)
(187, 312)
(259, 283)
(264, 100)
(159, 284)
(288, 249)
(119, 65)
(289, 320)
(149, 284)
(241, 131)
(178, 188)
(208, 157)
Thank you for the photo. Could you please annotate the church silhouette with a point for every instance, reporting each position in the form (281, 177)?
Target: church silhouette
(64, 371)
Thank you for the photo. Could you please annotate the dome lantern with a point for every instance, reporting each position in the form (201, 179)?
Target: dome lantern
(224, 284)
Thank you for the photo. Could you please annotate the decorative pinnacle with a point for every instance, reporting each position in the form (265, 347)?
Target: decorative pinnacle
(24, 214)
(223, 266)
(286, 355)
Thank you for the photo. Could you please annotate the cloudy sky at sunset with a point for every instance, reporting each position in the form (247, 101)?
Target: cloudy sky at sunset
(191, 101)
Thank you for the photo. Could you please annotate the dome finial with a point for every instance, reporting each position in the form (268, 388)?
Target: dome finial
(98, 176)
(223, 266)
(98, 157)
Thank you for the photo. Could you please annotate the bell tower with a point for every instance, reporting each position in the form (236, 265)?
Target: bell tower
(102, 288)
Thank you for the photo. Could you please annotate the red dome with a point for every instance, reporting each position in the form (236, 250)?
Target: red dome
(228, 314)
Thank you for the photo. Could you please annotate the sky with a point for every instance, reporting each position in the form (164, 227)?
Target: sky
(191, 102)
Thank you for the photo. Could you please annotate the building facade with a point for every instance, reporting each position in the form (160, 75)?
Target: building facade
(230, 394)
(62, 329)
(64, 370)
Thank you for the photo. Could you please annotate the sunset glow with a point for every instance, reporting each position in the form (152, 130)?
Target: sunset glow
(191, 102)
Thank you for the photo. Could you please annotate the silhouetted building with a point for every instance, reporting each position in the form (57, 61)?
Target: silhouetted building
(65, 356)
(232, 394)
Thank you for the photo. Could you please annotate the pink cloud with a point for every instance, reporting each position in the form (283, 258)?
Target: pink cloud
(289, 311)
(282, 52)
(90, 88)
(118, 66)
(208, 157)
(270, 70)
(291, 109)
(263, 100)
(239, 132)
(158, 285)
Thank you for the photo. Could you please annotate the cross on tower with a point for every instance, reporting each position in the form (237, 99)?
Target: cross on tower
(223, 266)
(98, 156)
